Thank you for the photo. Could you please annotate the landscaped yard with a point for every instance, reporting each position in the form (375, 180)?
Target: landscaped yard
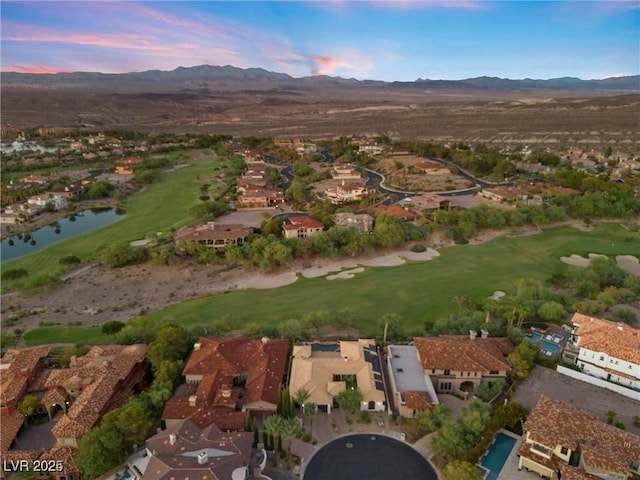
(416, 291)
(160, 207)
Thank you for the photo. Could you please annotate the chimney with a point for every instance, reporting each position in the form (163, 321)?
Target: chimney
(265, 340)
(484, 333)
(192, 400)
(172, 439)
(473, 334)
(203, 458)
(620, 326)
(25, 371)
(196, 346)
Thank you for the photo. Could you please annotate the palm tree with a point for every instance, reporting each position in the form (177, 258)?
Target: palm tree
(274, 426)
(300, 397)
(311, 410)
(290, 430)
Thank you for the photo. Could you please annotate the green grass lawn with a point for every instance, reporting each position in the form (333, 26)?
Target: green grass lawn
(161, 206)
(416, 291)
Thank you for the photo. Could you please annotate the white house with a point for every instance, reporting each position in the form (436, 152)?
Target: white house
(607, 350)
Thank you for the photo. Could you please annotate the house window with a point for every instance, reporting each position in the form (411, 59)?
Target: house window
(602, 358)
(433, 371)
(493, 372)
(447, 372)
(564, 450)
(445, 386)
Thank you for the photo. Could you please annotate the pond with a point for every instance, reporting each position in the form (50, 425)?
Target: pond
(75, 224)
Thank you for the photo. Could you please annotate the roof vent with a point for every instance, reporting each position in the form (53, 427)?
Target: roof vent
(265, 340)
(172, 439)
(473, 334)
(203, 458)
(484, 333)
(620, 326)
(192, 400)
(196, 346)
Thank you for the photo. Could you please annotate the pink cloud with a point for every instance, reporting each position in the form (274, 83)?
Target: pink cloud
(34, 69)
(415, 5)
(327, 65)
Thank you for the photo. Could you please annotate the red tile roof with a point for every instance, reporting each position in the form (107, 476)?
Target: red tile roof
(615, 339)
(226, 452)
(462, 354)
(18, 366)
(302, 221)
(394, 210)
(417, 400)
(602, 446)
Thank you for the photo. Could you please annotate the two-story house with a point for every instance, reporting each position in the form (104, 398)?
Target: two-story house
(347, 192)
(565, 442)
(301, 226)
(214, 235)
(460, 363)
(607, 350)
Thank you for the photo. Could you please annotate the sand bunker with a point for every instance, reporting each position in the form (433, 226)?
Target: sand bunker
(629, 264)
(579, 261)
(321, 271)
(498, 294)
(346, 274)
(261, 281)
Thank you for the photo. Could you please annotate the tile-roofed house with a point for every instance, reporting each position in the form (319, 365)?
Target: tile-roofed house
(402, 213)
(461, 362)
(228, 376)
(125, 166)
(186, 451)
(11, 425)
(214, 235)
(433, 168)
(347, 192)
(94, 384)
(18, 368)
(411, 389)
(561, 437)
(301, 226)
(363, 222)
(345, 171)
(325, 374)
(606, 349)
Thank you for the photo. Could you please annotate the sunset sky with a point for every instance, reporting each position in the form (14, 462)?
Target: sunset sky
(387, 40)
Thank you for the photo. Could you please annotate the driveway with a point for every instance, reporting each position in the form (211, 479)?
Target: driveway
(580, 394)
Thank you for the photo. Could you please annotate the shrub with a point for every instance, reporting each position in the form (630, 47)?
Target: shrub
(112, 327)
(418, 248)
(69, 260)
(14, 274)
(365, 417)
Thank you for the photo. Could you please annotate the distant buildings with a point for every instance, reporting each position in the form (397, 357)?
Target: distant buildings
(214, 235)
(363, 222)
(301, 226)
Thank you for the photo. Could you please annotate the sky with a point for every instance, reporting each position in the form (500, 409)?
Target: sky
(381, 40)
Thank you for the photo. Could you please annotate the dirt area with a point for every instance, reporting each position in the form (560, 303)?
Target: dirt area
(404, 179)
(91, 294)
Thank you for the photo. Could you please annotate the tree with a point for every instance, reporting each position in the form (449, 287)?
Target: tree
(428, 421)
(274, 426)
(349, 399)
(172, 343)
(290, 430)
(551, 311)
(112, 327)
(99, 450)
(300, 397)
(64, 358)
(391, 325)
(488, 390)
(311, 410)
(28, 405)
(133, 423)
(459, 469)
(119, 255)
(522, 359)
(137, 330)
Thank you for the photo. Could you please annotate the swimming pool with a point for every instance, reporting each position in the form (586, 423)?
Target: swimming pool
(544, 345)
(497, 455)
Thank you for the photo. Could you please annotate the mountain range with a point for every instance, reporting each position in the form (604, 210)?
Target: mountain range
(208, 75)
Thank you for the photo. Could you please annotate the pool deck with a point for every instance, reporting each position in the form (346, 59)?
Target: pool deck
(510, 469)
